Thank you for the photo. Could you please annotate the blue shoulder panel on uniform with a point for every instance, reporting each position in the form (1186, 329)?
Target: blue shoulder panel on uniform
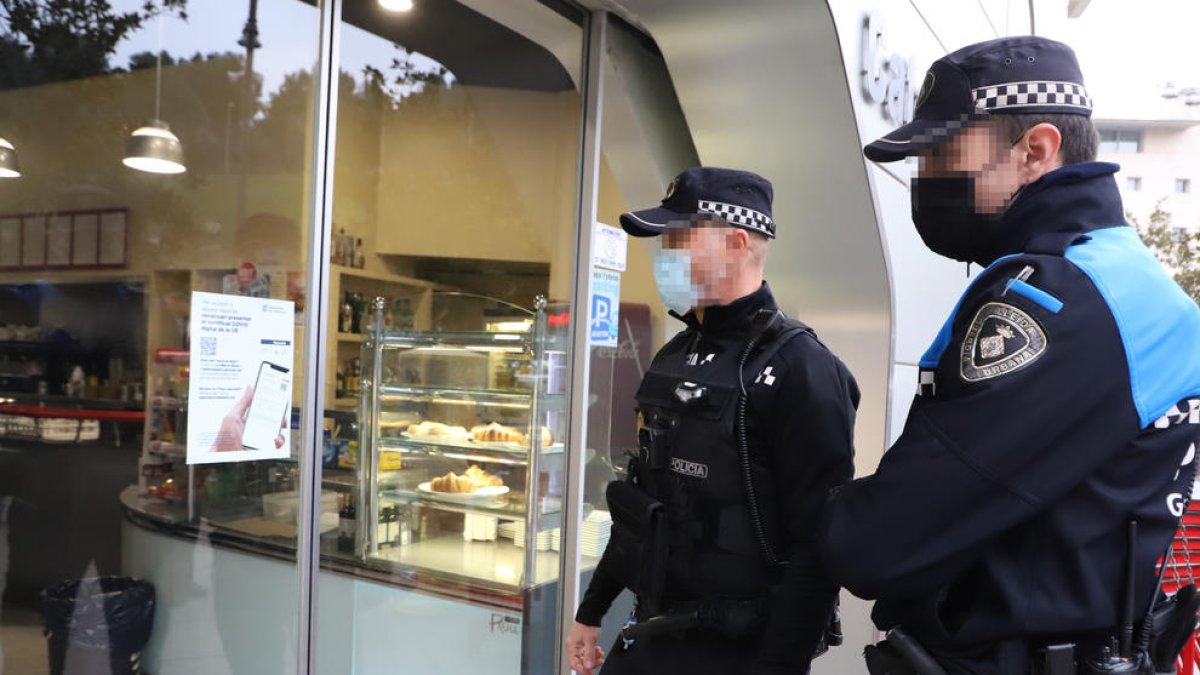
(1159, 323)
(934, 354)
(1047, 301)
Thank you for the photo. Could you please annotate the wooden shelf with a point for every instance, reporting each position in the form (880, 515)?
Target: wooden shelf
(350, 337)
(375, 276)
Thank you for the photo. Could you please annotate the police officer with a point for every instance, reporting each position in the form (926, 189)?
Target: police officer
(746, 421)
(1058, 404)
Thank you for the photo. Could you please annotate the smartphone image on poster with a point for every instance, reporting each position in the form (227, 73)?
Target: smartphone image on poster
(269, 407)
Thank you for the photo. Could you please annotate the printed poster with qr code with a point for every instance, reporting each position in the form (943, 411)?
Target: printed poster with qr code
(240, 384)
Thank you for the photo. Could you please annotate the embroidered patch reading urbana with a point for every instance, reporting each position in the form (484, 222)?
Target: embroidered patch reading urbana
(1002, 339)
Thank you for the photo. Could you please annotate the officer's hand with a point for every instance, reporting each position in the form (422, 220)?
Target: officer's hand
(583, 652)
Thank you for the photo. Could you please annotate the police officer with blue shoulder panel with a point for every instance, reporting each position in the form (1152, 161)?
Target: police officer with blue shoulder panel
(1015, 525)
(745, 424)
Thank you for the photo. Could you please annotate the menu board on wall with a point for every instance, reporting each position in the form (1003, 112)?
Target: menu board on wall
(87, 231)
(70, 239)
(112, 238)
(33, 241)
(10, 242)
(58, 241)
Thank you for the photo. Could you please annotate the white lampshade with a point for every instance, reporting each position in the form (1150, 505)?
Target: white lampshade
(8, 160)
(154, 149)
(396, 5)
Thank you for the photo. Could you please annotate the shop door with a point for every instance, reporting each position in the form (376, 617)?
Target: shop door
(452, 269)
(154, 208)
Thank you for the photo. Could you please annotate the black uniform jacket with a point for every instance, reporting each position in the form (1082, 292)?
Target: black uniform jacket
(1057, 404)
(800, 420)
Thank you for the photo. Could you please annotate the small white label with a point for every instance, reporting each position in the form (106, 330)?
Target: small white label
(608, 247)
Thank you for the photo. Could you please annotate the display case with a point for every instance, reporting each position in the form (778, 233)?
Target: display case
(461, 453)
(163, 472)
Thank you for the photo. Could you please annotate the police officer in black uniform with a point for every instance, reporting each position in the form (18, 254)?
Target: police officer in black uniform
(1059, 406)
(745, 423)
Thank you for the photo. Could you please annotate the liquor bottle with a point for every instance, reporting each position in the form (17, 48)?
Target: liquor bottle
(385, 531)
(347, 525)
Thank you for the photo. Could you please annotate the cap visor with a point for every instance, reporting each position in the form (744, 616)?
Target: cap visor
(914, 137)
(648, 222)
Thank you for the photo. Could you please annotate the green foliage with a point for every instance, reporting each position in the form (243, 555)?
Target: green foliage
(56, 40)
(1177, 248)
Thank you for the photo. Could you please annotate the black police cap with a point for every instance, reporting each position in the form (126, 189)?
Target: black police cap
(741, 198)
(1014, 75)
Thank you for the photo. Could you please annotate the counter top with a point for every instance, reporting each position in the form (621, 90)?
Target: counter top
(487, 573)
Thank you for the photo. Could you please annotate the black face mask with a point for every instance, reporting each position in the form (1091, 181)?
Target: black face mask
(943, 209)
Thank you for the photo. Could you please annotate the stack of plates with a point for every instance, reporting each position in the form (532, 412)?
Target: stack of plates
(506, 529)
(543, 537)
(593, 536)
(479, 528)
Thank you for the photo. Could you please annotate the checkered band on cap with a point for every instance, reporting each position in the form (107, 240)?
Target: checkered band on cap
(1029, 94)
(740, 216)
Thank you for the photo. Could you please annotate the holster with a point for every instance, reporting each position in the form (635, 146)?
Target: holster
(1172, 622)
(637, 547)
(900, 654)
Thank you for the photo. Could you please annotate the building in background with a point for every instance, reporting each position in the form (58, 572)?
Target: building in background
(1157, 145)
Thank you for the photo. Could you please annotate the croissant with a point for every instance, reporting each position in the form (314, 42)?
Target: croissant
(452, 482)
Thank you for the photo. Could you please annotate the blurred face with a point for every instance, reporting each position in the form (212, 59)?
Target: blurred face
(982, 153)
(714, 248)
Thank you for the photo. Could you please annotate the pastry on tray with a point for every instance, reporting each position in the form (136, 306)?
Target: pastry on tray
(472, 480)
(429, 428)
(498, 433)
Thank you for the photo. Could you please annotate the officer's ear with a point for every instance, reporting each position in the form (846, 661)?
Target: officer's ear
(737, 238)
(1040, 152)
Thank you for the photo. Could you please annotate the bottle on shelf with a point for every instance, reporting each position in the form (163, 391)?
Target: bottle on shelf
(389, 317)
(403, 314)
(386, 533)
(347, 525)
(359, 260)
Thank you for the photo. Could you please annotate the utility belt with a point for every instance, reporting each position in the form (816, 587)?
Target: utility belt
(734, 619)
(902, 654)
(1166, 630)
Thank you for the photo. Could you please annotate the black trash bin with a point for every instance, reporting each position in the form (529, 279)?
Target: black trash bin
(104, 622)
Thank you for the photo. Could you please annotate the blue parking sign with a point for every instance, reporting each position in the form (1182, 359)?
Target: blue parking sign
(604, 320)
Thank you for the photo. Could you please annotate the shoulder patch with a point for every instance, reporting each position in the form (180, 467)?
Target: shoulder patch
(1001, 339)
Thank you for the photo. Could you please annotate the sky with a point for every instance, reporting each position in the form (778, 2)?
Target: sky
(1128, 49)
(287, 30)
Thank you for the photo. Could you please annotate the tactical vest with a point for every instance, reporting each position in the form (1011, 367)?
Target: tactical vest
(715, 533)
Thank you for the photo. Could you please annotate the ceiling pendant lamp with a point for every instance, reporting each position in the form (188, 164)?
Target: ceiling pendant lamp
(8, 160)
(152, 147)
(396, 5)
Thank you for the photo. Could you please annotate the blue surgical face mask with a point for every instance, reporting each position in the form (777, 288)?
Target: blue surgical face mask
(673, 275)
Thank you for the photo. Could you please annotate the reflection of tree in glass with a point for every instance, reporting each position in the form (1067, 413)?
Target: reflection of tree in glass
(408, 74)
(1178, 248)
(201, 97)
(285, 118)
(71, 109)
(55, 40)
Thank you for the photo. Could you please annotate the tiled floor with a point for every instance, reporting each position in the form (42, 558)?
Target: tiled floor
(22, 646)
